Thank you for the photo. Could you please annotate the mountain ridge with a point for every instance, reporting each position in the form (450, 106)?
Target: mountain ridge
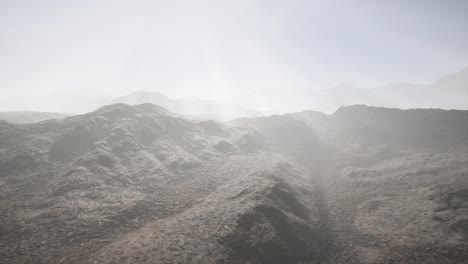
(138, 183)
(192, 107)
(449, 92)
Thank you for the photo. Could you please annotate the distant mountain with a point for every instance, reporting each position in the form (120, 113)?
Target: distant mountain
(305, 134)
(190, 107)
(450, 92)
(457, 82)
(29, 116)
(396, 129)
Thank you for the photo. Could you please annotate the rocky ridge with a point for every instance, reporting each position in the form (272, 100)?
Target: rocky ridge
(139, 184)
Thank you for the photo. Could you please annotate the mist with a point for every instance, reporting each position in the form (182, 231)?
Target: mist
(225, 51)
(228, 132)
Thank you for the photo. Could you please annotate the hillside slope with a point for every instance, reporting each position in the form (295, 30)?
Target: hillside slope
(96, 187)
(395, 181)
(139, 184)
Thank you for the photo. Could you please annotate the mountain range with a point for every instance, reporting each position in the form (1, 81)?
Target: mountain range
(450, 92)
(140, 184)
(29, 117)
(190, 107)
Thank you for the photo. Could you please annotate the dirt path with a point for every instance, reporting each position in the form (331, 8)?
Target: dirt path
(338, 215)
(334, 221)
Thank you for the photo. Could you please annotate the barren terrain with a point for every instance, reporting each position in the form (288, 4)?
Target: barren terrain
(138, 184)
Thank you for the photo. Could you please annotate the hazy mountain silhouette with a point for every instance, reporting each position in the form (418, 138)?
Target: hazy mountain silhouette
(29, 117)
(190, 107)
(450, 92)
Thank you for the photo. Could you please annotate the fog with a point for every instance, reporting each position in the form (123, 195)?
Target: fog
(233, 131)
(53, 52)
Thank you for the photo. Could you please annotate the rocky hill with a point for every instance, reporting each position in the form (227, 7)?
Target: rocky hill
(97, 188)
(395, 181)
(139, 184)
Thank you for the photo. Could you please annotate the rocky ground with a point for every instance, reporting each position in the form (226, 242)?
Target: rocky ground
(392, 195)
(138, 184)
(83, 189)
(401, 210)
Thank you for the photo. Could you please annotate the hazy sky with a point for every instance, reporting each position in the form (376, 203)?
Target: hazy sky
(221, 48)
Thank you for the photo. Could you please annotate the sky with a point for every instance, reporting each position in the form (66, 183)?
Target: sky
(220, 49)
